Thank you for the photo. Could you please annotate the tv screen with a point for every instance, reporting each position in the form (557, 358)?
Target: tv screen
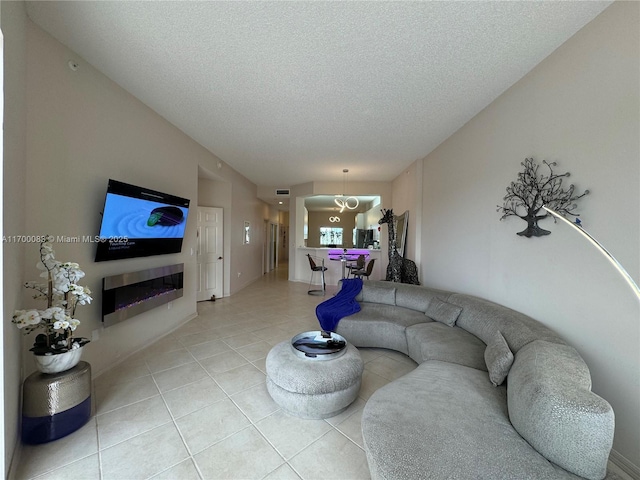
(138, 222)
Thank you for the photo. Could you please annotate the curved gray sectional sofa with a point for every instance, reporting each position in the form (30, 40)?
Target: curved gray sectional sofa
(496, 394)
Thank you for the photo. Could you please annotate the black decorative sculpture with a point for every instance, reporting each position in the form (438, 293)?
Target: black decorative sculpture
(533, 189)
(400, 269)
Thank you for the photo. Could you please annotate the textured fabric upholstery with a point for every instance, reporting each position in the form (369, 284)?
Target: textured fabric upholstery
(436, 341)
(444, 420)
(417, 297)
(297, 374)
(377, 293)
(443, 312)
(552, 407)
(313, 388)
(381, 326)
(447, 420)
(310, 406)
(483, 318)
(498, 358)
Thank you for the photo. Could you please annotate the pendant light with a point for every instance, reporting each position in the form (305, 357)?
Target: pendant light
(341, 200)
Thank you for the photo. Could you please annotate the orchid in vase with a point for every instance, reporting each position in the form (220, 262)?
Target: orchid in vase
(63, 295)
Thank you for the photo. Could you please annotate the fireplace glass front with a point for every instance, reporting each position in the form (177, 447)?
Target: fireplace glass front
(129, 294)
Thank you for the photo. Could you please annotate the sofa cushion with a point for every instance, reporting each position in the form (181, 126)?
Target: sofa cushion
(381, 326)
(443, 312)
(374, 293)
(498, 358)
(444, 420)
(437, 341)
(552, 407)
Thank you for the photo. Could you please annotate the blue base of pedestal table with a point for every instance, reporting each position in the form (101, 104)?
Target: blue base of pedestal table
(55, 405)
(46, 429)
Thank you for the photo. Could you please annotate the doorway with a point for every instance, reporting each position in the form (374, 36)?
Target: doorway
(209, 259)
(272, 246)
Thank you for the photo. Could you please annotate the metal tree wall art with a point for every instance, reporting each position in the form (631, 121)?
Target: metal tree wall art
(536, 187)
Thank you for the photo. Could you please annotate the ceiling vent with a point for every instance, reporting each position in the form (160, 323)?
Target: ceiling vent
(282, 192)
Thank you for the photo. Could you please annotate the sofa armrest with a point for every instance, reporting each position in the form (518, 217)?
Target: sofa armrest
(552, 406)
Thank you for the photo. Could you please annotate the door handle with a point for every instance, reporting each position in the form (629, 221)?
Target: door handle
(219, 258)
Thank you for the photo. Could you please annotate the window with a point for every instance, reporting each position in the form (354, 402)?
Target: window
(330, 236)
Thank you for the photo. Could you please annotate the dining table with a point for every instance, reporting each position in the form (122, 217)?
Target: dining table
(347, 255)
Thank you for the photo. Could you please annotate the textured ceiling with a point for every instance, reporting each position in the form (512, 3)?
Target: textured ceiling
(292, 92)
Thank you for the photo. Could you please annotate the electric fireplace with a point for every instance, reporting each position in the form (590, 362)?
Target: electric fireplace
(130, 294)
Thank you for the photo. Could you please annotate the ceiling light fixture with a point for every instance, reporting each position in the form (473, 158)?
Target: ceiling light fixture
(346, 202)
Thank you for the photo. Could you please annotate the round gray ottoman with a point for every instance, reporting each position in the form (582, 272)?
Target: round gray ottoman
(310, 388)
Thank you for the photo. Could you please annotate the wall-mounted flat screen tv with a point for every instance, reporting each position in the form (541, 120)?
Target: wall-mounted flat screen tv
(138, 222)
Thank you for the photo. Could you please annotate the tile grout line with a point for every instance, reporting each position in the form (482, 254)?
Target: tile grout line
(100, 472)
(254, 424)
(175, 425)
(94, 409)
(276, 320)
(228, 397)
(251, 422)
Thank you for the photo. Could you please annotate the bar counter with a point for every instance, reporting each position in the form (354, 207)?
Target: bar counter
(334, 260)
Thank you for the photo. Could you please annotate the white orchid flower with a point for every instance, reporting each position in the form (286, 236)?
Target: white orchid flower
(33, 317)
(60, 314)
(27, 317)
(61, 280)
(48, 313)
(19, 318)
(61, 325)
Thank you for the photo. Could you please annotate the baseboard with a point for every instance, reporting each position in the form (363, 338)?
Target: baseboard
(184, 321)
(623, 467)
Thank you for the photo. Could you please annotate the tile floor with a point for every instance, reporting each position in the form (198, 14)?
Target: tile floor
(195, 406)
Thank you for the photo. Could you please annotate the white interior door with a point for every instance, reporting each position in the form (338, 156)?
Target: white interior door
(209, 255)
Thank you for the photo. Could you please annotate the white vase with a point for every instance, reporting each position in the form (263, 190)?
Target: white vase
(58, 363)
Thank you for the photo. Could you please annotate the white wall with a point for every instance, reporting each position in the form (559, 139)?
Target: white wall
(407, 196)
(227, 189)
(247, 260)
(579, 107)
(84, 129)
(14, 136)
